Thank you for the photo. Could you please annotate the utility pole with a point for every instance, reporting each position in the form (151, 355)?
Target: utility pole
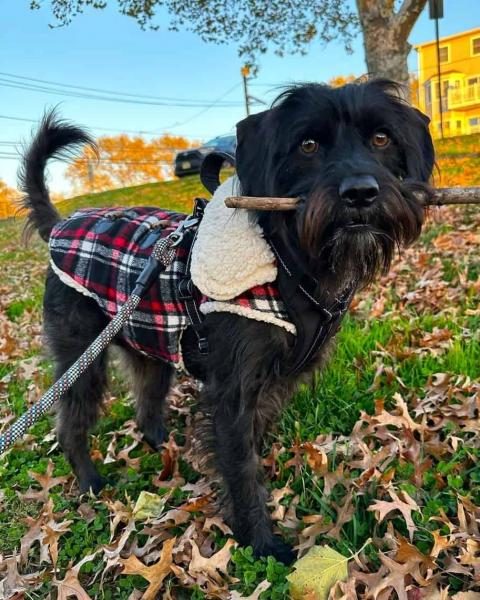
(436, 13)
(245, 71)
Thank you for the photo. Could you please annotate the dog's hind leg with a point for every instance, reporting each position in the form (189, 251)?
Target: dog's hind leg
(71, 323)
(151, 382)
(77, 414)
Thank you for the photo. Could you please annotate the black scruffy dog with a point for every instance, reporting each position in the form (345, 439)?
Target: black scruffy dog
(355, 155)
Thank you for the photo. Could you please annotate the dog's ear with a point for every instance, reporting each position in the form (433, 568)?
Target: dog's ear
(251, 153)
(420, 163)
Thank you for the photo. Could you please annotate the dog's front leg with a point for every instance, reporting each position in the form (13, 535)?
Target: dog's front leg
(236, 399)
(239, 464)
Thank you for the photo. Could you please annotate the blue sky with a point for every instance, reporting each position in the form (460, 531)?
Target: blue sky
(103, 49)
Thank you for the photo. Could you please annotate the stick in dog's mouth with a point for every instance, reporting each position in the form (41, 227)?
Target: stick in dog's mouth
(440, 197)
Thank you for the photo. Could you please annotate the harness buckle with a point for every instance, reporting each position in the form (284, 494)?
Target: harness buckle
(185, 289)
(203, 345)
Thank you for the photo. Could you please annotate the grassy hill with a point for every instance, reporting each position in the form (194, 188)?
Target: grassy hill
(177, 195)
(393, 418)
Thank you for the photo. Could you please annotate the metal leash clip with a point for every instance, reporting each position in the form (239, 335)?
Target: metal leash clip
(177, 236)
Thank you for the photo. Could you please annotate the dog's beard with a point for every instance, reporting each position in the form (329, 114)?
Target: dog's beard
(356, 245)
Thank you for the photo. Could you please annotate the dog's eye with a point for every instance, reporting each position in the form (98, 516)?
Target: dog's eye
(380, 139)
(309, 146)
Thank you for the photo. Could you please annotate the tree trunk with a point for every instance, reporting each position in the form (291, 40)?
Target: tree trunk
(385, 37)
(381, 61)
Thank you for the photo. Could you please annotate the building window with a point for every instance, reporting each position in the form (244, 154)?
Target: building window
(474, 124)
(444, 54)
(459, 126)
(476, 46)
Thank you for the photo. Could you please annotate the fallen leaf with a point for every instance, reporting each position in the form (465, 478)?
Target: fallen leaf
(405, 506)
(46, 481)
(213, 566)
(70, 585)
(149, 506)
(317, 572)
(154, 574)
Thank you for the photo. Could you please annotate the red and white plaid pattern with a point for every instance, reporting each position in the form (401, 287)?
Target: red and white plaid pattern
(101, 252)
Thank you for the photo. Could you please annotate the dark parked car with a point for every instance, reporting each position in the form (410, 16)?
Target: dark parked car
(190, 161)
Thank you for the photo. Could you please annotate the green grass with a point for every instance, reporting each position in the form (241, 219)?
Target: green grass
(374, 359)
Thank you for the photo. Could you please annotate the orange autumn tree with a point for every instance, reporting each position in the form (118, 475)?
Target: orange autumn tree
(340, 80)
(123, 160)
(8, 196)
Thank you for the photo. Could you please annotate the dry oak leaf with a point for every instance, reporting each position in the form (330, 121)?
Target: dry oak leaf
(13, 585)
(70, 585)
(154, 574)
(277, 495)
(34, 533)
(212, 566)
(408, 552)
(344, 514)
(395, 579)
(405, 506)
(316, 573)
(51, 532)
(46, 481)
(315, 526)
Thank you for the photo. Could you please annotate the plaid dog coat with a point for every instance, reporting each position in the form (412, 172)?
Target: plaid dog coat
(101, 252)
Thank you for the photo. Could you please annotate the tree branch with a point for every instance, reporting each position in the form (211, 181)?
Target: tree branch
(407, 16)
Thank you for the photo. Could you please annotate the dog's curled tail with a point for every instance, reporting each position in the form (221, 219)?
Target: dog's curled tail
(58, 139)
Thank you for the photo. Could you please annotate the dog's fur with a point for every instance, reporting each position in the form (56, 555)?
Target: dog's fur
(342, 237)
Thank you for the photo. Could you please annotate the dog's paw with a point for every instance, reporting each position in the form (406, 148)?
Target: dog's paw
(277, 548)
(93, 484)
(155, 436)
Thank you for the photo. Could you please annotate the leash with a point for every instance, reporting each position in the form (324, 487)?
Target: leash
(163, 253)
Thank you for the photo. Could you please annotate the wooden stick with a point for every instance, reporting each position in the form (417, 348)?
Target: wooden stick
(441, 197)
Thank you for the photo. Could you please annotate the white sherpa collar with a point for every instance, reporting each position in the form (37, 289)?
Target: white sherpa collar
(230, 254)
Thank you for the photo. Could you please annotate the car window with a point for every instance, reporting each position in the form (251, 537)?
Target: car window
(225, 142)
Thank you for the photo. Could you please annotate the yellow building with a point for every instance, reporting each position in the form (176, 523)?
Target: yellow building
(459, 79)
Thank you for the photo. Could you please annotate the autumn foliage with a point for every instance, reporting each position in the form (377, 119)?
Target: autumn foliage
(123, 161)
(7, 201)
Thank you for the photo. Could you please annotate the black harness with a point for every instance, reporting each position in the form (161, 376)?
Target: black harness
(314, 323)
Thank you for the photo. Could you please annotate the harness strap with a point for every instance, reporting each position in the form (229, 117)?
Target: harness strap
(314, 323)
(211, 167)
(188, 293)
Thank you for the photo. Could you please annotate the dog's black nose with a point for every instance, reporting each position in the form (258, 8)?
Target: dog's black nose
(359, 190)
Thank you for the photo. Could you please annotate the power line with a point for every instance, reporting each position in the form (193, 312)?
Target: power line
(198, 114)
(110, 161)
(132, 131)
(105, 91)
(30, 87)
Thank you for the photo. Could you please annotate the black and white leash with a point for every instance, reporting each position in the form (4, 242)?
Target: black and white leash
(163, 253)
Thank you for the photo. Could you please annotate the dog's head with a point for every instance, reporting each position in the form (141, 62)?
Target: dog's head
(354, 155)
